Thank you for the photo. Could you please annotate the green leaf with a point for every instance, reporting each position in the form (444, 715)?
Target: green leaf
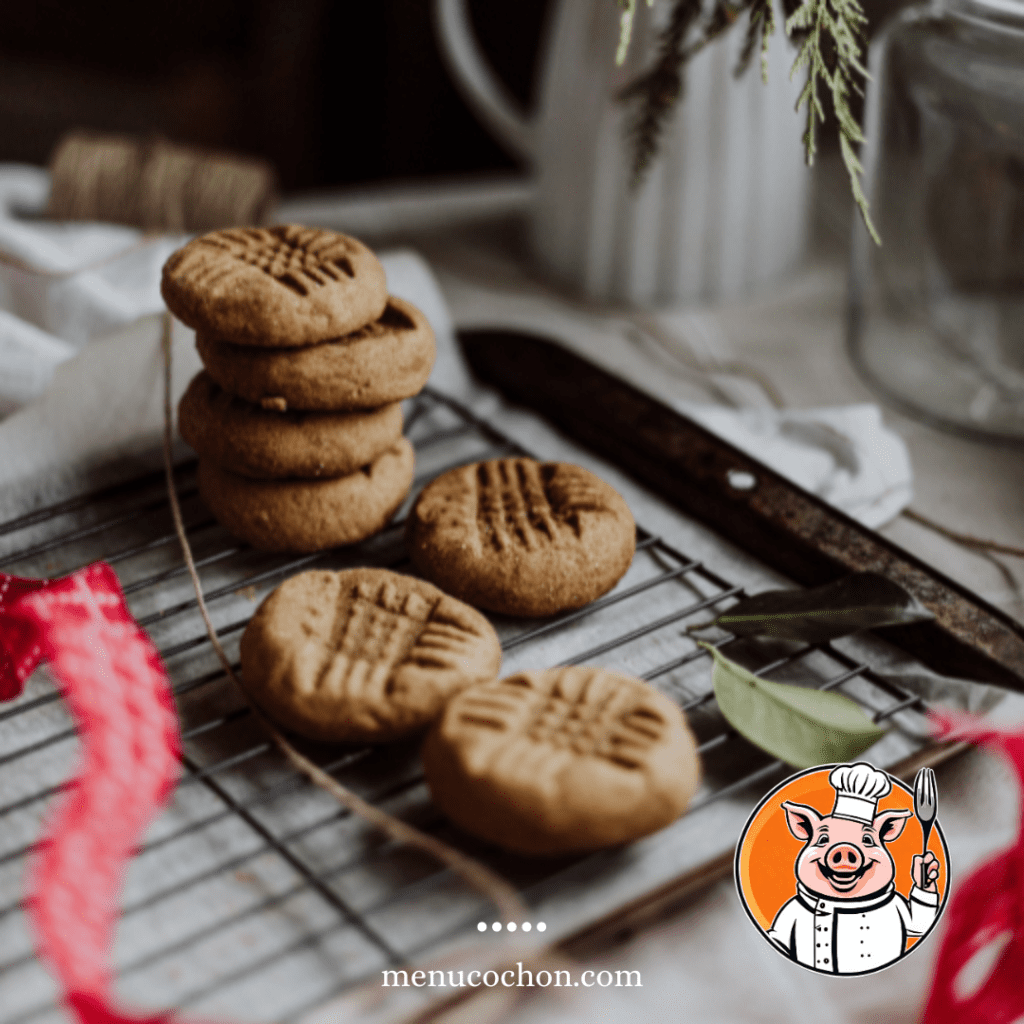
(863, 600)
(800, 726)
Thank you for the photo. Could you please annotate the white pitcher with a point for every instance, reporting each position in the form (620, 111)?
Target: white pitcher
(723, 208)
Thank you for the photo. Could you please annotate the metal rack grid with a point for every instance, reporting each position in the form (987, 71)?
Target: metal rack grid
(255, 889)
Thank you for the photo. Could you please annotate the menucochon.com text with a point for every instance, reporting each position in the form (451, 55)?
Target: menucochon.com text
(510, 978)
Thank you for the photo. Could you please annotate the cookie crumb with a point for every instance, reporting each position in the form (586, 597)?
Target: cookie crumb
(276, 404)
(247, 592)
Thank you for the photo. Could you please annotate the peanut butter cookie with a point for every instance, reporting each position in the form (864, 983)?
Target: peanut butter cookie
(522, 537)
(309, 515)
(385, 361)
(280, 286)
(363, 655)
(255, 442)
(561, 761)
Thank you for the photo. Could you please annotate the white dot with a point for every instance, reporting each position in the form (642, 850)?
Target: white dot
(496, 926)
(527, 926)
(542, 927)
(511, 926)
(481, 927)
(740, 480)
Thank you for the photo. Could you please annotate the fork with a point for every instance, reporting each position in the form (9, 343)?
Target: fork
(926, 802)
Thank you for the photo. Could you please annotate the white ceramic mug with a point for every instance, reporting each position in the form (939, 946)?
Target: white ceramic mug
(723, 208)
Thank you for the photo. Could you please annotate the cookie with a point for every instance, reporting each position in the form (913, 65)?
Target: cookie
(363, 655)
(280, 286)
(251, 441)
(309, 515)
(383, 362)
(522, 537)
(563, 761)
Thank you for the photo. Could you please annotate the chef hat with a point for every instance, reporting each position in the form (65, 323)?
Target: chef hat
(858, 788)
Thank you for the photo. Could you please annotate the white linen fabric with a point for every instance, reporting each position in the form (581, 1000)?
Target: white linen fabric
(845, 455)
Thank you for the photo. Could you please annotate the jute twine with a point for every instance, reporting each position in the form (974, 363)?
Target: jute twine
(480, 877)
(156, 185)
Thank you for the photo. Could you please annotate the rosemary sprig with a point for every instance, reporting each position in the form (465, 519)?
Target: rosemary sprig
(760, 28)
(829, 35)
(842, 21)
(661, 87)
(626, 27)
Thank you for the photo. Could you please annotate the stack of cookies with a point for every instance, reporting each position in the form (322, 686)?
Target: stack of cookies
(296, 417)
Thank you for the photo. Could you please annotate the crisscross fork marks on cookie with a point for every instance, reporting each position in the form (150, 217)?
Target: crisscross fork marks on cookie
(598, 718)
(571, 491)
(374, 630)
(512, 505)
(297, 259)
(443, 644)
(499, 707)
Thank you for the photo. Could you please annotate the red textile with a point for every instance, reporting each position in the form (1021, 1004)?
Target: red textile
(985, 906)
(19, 652)
(111, 677)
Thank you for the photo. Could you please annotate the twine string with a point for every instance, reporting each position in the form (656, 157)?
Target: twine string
(966, 540)
(150, 184)
(472, 871)
(156, 185)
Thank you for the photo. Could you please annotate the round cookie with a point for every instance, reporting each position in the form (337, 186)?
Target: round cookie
(522, 537)
(385, 361)
(363, 655)
(309, 515)
(253, 442)
(561, 761)
(280, 286)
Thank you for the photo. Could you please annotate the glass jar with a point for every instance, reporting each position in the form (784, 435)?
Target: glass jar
(936, 315)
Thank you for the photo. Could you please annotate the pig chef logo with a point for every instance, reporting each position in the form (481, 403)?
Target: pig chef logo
(832, 869)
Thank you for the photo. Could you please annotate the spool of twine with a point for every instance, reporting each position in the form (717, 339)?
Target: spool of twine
(156, 185)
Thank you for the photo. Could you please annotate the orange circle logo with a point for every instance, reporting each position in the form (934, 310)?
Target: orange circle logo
(843, 868)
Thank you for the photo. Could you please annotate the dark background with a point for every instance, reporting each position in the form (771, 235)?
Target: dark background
(334, 92)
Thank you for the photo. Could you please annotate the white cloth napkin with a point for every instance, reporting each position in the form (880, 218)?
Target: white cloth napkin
(65, 285)
(845, 455)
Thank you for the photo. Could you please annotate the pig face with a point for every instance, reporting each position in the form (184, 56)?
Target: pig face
(842, 858)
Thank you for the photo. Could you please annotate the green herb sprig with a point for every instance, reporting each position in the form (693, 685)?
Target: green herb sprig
(829, 34)
(842, 23)
(760, 28)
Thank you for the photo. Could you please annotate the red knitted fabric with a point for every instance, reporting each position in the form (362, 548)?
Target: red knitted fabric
(110, 675)
(987, 905)
(19, 652)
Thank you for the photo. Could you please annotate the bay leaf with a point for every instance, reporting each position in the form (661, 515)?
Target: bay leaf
(863, 600)
(803, 727)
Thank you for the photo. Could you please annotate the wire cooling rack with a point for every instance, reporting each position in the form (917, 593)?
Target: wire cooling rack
(255, 895)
